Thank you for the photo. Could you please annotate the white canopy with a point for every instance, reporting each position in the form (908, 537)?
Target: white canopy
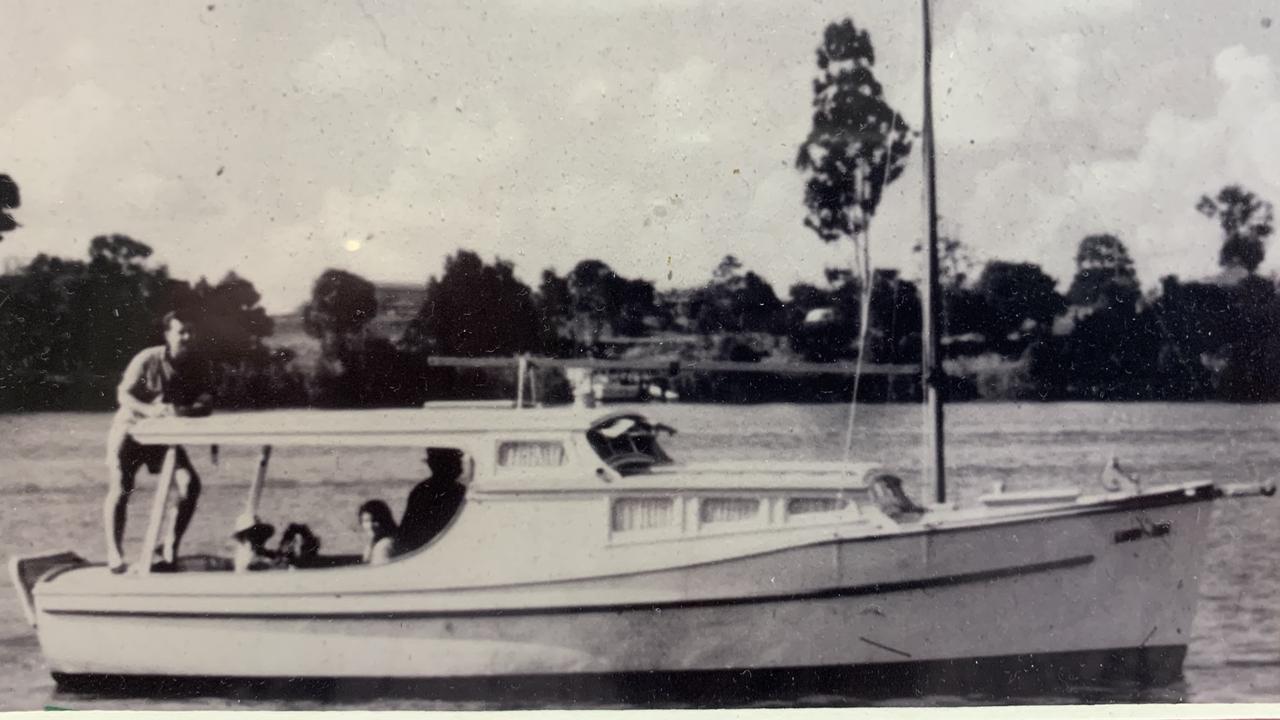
(410, 427)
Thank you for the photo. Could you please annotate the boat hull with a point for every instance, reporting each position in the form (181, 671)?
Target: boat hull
(1104, 581)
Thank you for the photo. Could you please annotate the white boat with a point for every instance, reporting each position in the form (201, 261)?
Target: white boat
(581, 547)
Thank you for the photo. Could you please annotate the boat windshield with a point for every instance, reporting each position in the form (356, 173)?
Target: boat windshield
(629, 443)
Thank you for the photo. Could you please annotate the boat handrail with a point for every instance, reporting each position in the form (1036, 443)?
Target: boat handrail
(1030, 497)
(761, 482)
(861, 470)
(502, 404)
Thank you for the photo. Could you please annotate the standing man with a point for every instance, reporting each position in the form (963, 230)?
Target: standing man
(160, 381)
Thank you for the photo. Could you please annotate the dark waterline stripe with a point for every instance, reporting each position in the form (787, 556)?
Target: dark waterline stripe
(1074, 674)
(832, 593)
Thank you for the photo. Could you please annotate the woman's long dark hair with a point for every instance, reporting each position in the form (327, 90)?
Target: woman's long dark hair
(380, 513)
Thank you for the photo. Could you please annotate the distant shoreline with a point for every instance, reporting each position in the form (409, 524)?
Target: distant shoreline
(604, 407)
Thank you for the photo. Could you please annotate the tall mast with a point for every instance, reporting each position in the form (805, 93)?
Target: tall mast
(935, 466)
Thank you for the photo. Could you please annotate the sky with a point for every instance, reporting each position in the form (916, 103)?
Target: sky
(279, 139)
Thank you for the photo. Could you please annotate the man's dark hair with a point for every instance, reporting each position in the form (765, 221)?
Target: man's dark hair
(186, 317)
(445, 464)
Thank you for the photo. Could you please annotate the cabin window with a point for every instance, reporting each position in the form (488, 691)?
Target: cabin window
(807, 506)
(728, 509)
(630, 514)
(530, 454)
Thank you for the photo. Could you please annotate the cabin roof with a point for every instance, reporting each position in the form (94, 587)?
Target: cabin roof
(411, 427)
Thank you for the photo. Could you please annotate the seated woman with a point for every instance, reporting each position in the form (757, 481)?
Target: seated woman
(379, 526)
(251, 535)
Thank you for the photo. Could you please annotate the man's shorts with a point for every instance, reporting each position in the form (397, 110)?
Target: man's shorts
(128, 455)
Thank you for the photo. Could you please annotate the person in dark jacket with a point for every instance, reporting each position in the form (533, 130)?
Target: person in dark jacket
(434, 501)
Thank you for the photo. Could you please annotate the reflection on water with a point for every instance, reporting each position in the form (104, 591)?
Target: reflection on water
(51, 484)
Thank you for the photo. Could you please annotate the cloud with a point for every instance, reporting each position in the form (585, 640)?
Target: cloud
(346, 65)
(74, 120)
(589, 99)
(1149, 198)
(1001, 80)
(1051, 15)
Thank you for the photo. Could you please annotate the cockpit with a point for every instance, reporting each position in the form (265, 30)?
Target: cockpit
(511, 453)
(629, 443)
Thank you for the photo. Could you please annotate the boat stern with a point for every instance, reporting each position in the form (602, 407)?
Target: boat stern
(27, 570)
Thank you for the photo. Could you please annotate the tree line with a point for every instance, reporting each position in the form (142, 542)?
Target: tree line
(71, 325)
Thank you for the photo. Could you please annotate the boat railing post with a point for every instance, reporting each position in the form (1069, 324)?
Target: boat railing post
(259, 480)
(522, 366)
(533, 385)
(159, 504)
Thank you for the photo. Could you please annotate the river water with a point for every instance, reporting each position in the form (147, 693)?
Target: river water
(51, 485)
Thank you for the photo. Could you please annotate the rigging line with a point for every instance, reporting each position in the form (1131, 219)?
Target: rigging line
(864, 321)
(865, 314)
(862, 324)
